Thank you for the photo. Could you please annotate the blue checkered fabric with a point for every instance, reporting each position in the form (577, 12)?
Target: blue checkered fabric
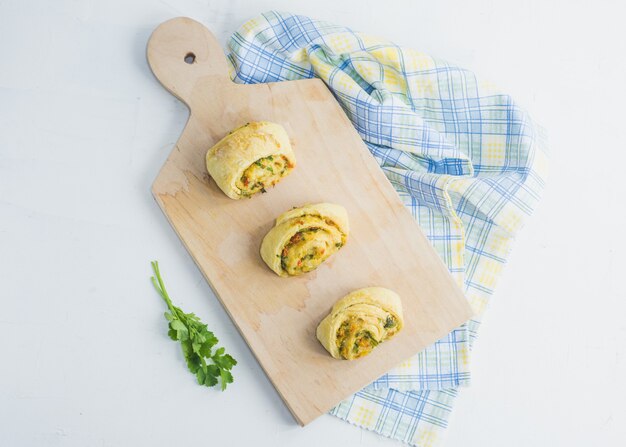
(464, 158)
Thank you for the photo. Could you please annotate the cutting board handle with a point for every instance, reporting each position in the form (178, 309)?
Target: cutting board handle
(183, 53)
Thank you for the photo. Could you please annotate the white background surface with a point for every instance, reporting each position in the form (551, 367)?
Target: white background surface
(84, 128)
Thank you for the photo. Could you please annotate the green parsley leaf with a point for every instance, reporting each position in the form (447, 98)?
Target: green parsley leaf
(196, 341)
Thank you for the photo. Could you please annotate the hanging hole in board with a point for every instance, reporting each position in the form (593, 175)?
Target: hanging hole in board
(190, 58)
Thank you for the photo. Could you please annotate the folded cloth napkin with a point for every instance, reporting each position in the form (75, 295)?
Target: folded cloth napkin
(466, 161)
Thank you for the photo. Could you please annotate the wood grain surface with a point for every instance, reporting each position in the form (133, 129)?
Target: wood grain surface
(278, 316)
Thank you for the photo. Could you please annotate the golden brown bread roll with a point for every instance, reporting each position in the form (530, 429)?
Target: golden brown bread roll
(360, 321)
(250, 159)
(305, 237)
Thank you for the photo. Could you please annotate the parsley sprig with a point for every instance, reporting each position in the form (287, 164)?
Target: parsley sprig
(196, 340)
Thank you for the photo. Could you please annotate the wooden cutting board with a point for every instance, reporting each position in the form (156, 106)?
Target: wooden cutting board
(278, 316)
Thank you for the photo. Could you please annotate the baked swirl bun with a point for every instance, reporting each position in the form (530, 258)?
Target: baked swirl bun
(360, 321)
(250, 159)
(304, 237)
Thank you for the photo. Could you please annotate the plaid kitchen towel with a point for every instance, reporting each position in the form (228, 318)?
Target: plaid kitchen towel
(465, 159)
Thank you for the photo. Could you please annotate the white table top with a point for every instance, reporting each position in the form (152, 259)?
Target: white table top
(84, 128)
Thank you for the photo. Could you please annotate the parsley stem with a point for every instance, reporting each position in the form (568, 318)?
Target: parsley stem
(160, 286)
